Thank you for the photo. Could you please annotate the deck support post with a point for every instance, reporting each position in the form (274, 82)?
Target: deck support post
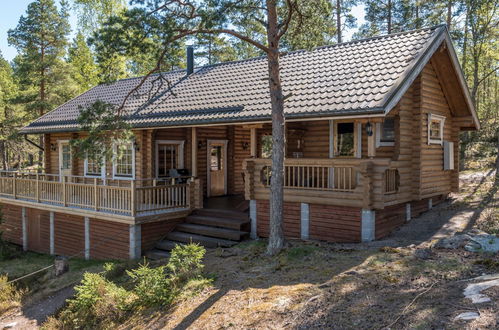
(25, 228)
(430, 204)
(87, 238)
(368, 218)
(305, 221)
(194, 152)
(408, 212)
(252, 207)
(135, 241)
(52, 238)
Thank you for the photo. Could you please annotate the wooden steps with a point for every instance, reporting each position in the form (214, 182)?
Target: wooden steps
(235, 235)
(210, 228)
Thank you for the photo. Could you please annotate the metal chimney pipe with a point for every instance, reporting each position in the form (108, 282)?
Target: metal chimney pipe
(190, 60)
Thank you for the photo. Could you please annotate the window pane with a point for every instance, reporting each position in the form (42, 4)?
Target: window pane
(388, 130)
(216, 158)
(345, 136)
(167, 158)
(435, 129)
(124, 161)
(66, 156)
(266, 146)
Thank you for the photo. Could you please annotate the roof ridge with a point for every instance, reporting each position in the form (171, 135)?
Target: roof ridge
(296, 51)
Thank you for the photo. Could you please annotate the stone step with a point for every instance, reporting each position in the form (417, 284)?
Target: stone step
(236, 224)
(166, 245)
(234, 235)
(156, 254)
(209, 242)
(221, 213)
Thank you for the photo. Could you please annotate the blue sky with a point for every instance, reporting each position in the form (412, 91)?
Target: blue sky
(13, 9)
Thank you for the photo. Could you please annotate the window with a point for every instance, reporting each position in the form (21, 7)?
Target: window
(266, 146)
(435, 129)
(65, 156)
(385, 133)
(216, 158)
(169, 155)
(124, 161)
(92, 167)
(345, 140)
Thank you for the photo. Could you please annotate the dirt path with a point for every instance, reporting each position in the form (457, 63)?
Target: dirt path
(32, 316)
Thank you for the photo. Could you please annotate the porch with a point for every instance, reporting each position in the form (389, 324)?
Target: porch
(122, 200)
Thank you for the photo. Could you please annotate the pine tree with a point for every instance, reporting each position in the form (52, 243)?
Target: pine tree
(41, 39)
(84, 70)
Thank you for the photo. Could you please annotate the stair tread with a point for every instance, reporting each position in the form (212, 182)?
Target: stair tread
(203, 240)
(221, 222)
(222, 213)
(231, 234)
(166, 245)
(157, 254)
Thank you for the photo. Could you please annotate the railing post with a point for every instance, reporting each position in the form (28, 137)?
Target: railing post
(37, 188)
(133, 202)
(64, 203)
(14, 192)
(96, 199)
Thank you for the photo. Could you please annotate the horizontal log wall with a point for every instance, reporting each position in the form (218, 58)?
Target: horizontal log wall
(38, 230)
(109, 240)
(388, 219)
(12, 226)
(69, 235)
(291, 219)
(335, 223)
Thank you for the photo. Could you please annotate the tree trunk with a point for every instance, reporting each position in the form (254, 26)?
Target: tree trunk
(389, 17)
(2, 154)
(449, 14)
(276, 237)
(338, 20)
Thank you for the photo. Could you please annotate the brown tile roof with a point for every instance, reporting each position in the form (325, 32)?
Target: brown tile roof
(354, 78)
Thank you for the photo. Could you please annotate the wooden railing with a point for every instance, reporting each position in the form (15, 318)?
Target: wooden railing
(130, 197)
(339, 181)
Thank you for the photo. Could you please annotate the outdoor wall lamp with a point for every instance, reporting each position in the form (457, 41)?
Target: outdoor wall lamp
(136, 146)
(369, 129)
(245, 145)
(53, 147)
(201, 144)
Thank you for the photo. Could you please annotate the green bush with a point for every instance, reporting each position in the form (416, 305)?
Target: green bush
(10, 296)
(97, 300)
(151, 285)
(186, 261)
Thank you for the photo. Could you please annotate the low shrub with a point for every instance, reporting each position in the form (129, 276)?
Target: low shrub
(97, 301)
(186, 262)
(151, 285)
(10, 296)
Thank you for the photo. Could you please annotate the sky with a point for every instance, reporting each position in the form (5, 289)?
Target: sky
(13, 9)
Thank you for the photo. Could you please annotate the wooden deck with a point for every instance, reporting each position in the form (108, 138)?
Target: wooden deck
(125, 200)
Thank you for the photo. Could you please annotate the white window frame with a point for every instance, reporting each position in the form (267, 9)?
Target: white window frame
(115, 153)
(380, 143)
(92, 175)
(180, 144)
(441, 120)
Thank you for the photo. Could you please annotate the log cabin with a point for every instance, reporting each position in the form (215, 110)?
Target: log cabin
(372, 138)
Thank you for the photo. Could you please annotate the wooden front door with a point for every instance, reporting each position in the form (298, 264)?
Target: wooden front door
(65, 159)
(217, 167)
